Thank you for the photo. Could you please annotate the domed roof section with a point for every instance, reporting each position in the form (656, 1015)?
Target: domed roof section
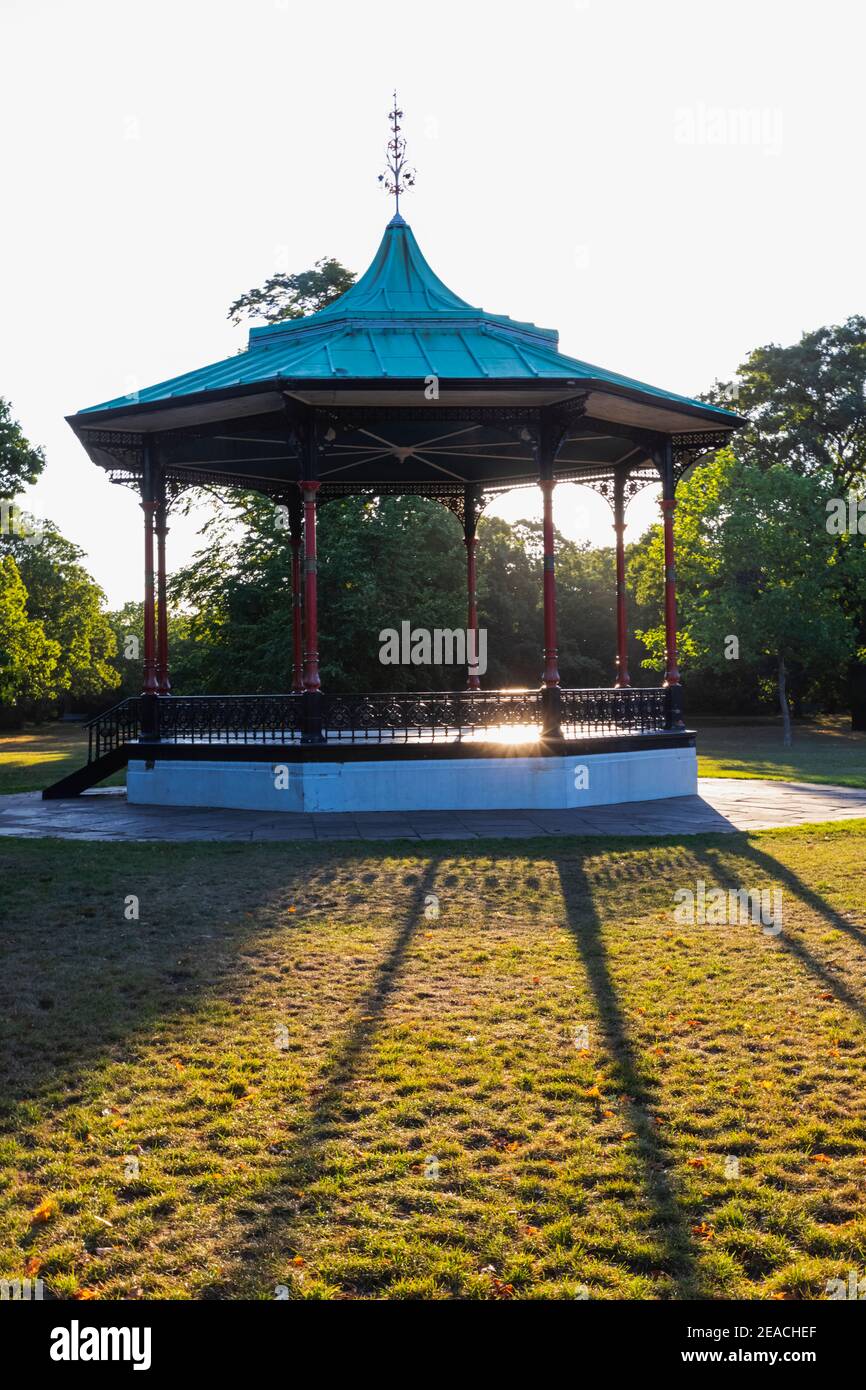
(398, 282)
(398, 292)
(398, 322)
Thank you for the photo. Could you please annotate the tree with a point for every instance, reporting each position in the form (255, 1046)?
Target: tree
(127, 625)
(67, 604)
(756, 570)
(383, 561)
(293, 296)
(28, 657)
(806, 407)
(20, 462)
(806, 404)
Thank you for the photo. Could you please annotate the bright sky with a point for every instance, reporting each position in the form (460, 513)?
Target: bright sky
(668, 184)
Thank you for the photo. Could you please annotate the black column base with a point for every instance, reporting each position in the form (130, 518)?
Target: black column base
(150, 717)
(674, 707)
(311, 717)
(551, 714)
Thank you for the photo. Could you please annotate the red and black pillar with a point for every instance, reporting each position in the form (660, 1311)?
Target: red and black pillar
(623, 680)
(672, 681)
(309, 486)
(150, 684)
(295, 534)
(551, 726)
(161, 529)
(551, 651)
(470, 524)
(312, 679)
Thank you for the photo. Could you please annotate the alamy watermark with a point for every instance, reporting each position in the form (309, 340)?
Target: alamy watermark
(852, 1287)
(439, 646)
(846, 515)
(14, 522)
(719, 907)
(739, 126)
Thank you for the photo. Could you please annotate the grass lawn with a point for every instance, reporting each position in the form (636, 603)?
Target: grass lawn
(43, 754)
(291, 1071)
(822, 751)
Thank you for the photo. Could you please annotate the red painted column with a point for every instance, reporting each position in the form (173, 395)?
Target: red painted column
(297, 618)
(672, 671)
(148, 506)
(623, 680)
(470, 522)
(551, 654)
(161, 527)
(473, 681)
(312, 680)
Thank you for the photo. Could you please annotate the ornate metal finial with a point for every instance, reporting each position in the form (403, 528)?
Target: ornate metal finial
(399, 175)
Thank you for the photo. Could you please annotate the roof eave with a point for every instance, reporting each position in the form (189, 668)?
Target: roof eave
(145, 414)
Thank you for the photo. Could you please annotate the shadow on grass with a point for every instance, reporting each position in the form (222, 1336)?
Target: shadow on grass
(772, 872)
(80, 985)
(307, 1164)
(670, 1222)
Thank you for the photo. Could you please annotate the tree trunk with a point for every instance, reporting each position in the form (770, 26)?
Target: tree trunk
(783, 703)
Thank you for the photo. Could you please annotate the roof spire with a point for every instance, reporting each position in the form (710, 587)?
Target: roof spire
(399, 175)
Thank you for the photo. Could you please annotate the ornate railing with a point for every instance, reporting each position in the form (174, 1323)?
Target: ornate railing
(229, 718)
(118, 725)
(428, 716)
(381, 717)
(633, 711)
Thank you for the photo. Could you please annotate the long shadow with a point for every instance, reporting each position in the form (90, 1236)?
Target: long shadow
(775, 873)
(671, 1223)
(306, 1162)
(79, 985)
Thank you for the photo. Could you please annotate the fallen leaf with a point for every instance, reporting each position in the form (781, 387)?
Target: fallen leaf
(820, 1158)
(44, 1212)
(32, 1266)
(697, 1163)
(704, 1231)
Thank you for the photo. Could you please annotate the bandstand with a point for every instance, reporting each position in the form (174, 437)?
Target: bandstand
(398, 387)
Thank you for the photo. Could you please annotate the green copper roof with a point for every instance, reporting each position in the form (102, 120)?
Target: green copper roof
(397, 322)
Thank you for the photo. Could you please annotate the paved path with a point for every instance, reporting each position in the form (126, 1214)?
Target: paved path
(723, 804)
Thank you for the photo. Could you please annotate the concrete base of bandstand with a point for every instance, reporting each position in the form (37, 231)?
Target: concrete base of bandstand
(471, 783)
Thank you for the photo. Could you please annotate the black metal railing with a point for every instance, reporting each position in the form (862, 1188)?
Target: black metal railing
(229, 718)
(632, 711)
(114, 727)
(429, 716)
(383, 717)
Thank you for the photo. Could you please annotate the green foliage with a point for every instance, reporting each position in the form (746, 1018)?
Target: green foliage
(20, 462)
(65, 604)
(28, 658)
(754, 562)
(383, 561)
(293, 296)
(806, 404)
(127, 625)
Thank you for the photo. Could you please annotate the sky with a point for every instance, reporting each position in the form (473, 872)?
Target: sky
(669, 185)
